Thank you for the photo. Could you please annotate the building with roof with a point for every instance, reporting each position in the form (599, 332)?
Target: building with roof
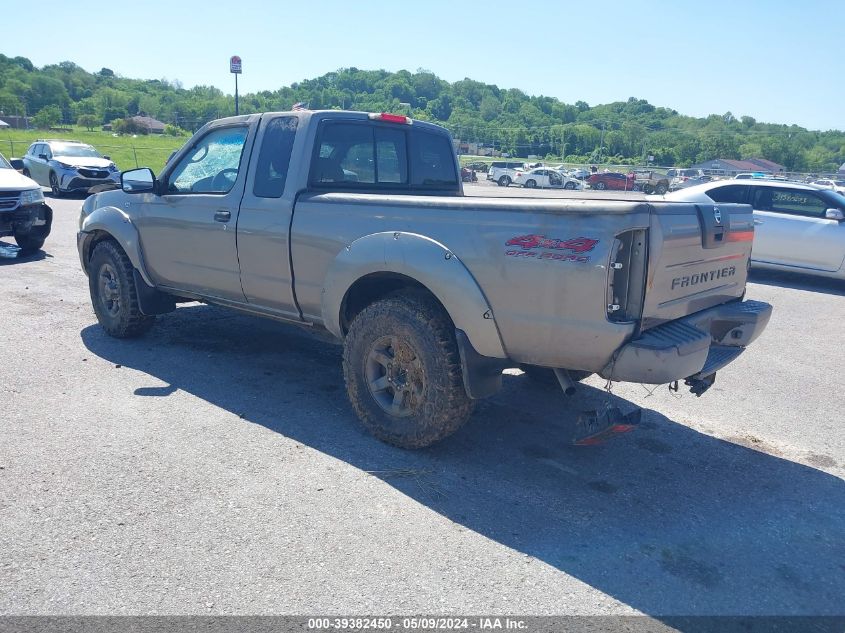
(153, 125)
(731, 167)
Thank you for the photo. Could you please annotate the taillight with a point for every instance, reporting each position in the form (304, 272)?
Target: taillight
(390, 118)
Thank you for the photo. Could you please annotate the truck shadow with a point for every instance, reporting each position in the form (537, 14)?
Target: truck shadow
(667, 520)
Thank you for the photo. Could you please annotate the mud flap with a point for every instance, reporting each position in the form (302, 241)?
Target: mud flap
(150, 300)
(598, 426)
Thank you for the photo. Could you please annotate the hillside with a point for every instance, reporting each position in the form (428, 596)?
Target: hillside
(505, 118)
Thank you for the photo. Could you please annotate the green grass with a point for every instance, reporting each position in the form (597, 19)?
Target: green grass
(127, 152)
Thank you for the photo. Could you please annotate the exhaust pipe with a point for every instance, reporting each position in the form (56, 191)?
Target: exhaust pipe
(565, 381)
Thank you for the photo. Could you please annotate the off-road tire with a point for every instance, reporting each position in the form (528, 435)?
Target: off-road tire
(546, 376)
(125, 319)
(417, 321)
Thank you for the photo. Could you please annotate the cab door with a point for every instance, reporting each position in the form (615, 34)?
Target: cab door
(791, 229)
(265, 216)
(187, 234)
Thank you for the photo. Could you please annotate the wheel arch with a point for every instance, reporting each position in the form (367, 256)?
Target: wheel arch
(112, 223)
(380, 263)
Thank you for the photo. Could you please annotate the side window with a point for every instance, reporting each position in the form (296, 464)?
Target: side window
(729, 193)
(432, 161)
(274, 158)
(213, 164)
(790, 201)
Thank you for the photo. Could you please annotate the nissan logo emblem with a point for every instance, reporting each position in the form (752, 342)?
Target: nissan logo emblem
(717, 215)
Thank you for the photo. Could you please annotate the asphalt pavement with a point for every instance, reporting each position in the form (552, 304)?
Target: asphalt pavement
(215, 467)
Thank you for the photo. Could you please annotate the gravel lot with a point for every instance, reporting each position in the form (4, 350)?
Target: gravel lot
(214, 466)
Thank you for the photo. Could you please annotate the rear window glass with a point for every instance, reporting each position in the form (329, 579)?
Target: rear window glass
(432, 161)
(373, 156)
(729, 193)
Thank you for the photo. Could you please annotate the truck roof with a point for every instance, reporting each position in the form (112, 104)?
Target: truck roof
(330, 114)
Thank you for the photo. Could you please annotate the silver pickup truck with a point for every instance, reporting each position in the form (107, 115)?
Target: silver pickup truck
(356, 223)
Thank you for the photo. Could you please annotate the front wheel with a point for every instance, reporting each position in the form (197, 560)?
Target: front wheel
(32, 241)
(403, 372)
(570, 185)
(54, 185)
(504, 181)
(600, 186)
(530, 184)
(113, 293)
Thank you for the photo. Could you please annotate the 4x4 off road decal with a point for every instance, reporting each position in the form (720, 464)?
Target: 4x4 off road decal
(527, 243)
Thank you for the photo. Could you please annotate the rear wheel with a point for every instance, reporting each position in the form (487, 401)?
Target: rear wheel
(661, 189)
(403, 372)
(504, 181)
(113, 293)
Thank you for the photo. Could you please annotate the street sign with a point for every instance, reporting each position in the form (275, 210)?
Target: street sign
(235, 64)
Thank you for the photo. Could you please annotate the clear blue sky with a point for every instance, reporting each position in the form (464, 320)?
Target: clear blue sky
(774, 60)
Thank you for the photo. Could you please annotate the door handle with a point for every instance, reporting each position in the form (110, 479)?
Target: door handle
(222, 216)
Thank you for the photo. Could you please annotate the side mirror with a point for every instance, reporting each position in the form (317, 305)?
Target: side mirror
(834, 214)
(16, 163)
(43, 157)
(138, 180)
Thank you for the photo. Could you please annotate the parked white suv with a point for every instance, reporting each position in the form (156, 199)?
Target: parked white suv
(23, 214)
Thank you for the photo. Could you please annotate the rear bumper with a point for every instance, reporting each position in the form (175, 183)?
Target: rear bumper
(695, 346)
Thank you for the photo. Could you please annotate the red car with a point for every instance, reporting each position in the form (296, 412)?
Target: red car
(612, 180)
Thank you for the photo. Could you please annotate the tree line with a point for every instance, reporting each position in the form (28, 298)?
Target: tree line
(506, 119)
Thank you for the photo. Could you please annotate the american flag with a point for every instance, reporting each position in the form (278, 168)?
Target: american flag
(299, 105)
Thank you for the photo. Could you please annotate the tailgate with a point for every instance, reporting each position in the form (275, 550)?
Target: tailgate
(698, 258)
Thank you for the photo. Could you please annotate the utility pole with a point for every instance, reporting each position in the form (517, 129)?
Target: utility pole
(235, 67)
(601, 140)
